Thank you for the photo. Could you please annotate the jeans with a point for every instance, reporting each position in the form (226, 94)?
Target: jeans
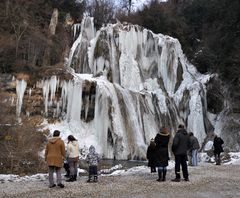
(51, 170)
(73, 165)
(194, 157)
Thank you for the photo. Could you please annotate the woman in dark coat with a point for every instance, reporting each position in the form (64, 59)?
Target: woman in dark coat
(151, 156)
(162, 156)
(217, 144)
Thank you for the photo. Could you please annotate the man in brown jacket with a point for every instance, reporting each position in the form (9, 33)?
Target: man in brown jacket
(54, 155)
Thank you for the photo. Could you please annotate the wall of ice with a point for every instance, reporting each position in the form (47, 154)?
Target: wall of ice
(142, 81)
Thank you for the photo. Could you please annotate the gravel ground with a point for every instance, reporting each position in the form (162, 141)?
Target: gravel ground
(206, 180)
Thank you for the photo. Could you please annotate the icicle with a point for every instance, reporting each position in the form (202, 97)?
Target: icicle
(20, 88)
(49, 86)
(74, 102)
(29, 92)
(45, 88)
(53, 87)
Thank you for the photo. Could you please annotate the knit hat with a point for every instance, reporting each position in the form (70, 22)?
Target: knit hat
(164, 130)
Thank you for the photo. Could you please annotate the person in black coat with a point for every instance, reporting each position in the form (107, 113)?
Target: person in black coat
(162, 155)
(217, 145)
(180, 146)
(151, 156)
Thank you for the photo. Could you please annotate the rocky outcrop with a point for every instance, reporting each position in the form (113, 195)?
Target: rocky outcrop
(53, 22)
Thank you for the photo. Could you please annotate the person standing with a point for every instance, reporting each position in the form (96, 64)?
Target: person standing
(54, 156)
(162, 155)
(194, 147)
(92, 159)
(151, 156)
(73, 155)
(217, 145)
(180, 147)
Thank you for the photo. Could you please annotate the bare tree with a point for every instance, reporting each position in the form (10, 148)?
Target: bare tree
(127, 4)
(19, 29)
(101, 10)
(18, 21)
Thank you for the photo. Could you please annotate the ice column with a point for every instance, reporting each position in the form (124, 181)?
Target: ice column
(20, 88)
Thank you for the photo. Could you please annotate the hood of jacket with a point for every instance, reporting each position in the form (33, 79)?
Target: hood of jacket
(74, 143)
(92, 149)
(53, 140)
(183, 131)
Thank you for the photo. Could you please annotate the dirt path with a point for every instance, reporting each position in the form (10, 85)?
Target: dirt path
(205, 181)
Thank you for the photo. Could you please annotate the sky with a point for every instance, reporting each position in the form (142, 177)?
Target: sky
(139, 3)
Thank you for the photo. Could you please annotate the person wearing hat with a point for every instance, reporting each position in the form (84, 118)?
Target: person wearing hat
(162, 155)
(151, 156)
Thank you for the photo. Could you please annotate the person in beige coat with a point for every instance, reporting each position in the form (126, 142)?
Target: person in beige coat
(54, 156)
(73, 155)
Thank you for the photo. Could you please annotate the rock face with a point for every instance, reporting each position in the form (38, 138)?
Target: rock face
(223, 111)
(127, 84)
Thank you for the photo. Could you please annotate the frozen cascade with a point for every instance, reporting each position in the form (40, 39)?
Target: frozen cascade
(20, 89)
(76, 30)
(74, 101)
(49, 86)
(129, 82)
(78, 53)
(134, 122)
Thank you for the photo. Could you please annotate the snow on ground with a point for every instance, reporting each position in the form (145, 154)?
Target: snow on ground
(235, 159)
(116, 170)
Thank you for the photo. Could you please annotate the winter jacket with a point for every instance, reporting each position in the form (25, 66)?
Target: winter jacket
(217, 144)
(162, 156)
(194, 144)
(92, 157)
(181, 142)
(72, 149)
(151, 156)
(55, 152)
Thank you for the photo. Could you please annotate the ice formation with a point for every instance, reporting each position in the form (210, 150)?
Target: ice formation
(128, 83)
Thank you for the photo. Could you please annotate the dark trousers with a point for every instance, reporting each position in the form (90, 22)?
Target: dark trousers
(67, 169)
(92, 170)
(181, 160)
(153, 169)
(217, 158)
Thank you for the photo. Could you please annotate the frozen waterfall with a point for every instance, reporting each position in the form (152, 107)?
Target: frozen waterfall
(128, 83)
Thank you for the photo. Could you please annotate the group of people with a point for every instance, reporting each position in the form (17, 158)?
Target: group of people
(184, 144)
(185, 147)
(55, 155)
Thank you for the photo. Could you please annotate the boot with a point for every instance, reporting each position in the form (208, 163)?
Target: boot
(71, 179)
(159, 175)
(74, 177)
(218, 161)
(178, 178)
(153, 170)
(95, 179)
(164, 175)
(89, 178)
